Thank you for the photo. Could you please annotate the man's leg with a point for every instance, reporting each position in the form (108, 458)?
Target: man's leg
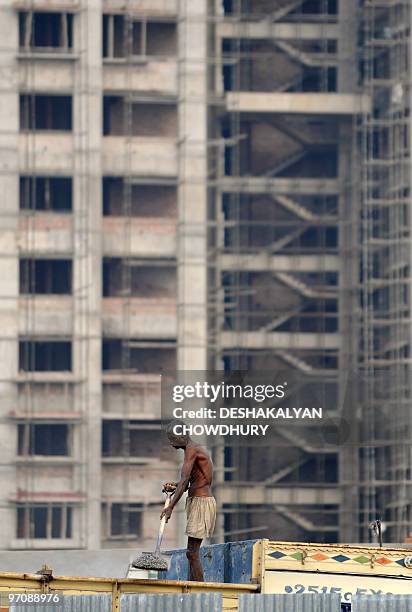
(192, 554)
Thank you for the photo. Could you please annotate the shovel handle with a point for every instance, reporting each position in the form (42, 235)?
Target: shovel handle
(162, 526)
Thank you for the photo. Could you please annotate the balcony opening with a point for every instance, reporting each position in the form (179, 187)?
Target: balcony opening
(142, 281)
(266, 7)
(45, 356)
(45, 112)
(228, 6)
(263, 154)
(131, 439)
(318, 238)
(43, 439)
(121, 199)
(45, 276)
(161, 38)
(45, 31)
(46, 193)
(124, 38)
(44, 521)
(259, 66)
(140, 119)
(319, 7)
(123, 520)
(148, 357)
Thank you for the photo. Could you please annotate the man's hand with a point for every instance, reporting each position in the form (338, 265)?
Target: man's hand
(169, 487)
(167, 512)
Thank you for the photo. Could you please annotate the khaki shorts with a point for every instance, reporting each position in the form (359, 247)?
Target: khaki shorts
(201, 517)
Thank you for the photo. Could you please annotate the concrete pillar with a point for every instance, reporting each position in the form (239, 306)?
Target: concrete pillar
(347, 46)
(9, 271)
(192, 211)
(348, 325)
(192, 192)
(348, 307)
(87, 262)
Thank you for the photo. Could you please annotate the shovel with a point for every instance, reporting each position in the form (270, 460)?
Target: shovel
(154, 560)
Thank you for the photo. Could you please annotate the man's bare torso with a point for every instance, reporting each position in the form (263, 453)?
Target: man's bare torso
(201, 475)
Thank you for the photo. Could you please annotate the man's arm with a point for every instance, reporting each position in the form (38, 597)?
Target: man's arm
(182, 485)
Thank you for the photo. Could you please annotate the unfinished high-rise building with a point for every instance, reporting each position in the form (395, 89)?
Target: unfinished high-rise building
(193, 184)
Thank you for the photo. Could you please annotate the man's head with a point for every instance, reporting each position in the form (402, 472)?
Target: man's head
(174, 432)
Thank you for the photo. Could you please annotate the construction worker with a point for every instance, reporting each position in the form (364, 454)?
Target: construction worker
(196, 478)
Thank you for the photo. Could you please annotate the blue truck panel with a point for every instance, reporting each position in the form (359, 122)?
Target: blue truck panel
(230, 562)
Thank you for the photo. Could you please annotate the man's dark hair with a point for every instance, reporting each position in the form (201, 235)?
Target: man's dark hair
(176, 439)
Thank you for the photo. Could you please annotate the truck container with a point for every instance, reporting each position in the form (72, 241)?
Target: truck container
(254, 567)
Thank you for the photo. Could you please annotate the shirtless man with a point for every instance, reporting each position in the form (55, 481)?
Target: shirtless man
(196, 478)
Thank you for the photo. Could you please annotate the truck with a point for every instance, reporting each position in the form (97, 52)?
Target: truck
(233, 569)
(304, 567)
(294, 568)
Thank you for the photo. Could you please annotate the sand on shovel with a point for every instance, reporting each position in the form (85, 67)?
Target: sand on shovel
(149, 560)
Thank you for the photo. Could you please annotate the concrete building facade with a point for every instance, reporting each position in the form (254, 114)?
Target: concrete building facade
(182, 187)
(103, 140)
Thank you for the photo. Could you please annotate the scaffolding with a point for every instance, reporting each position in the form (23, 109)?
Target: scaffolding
(298, 193)
(386, 461)
(283, 196)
